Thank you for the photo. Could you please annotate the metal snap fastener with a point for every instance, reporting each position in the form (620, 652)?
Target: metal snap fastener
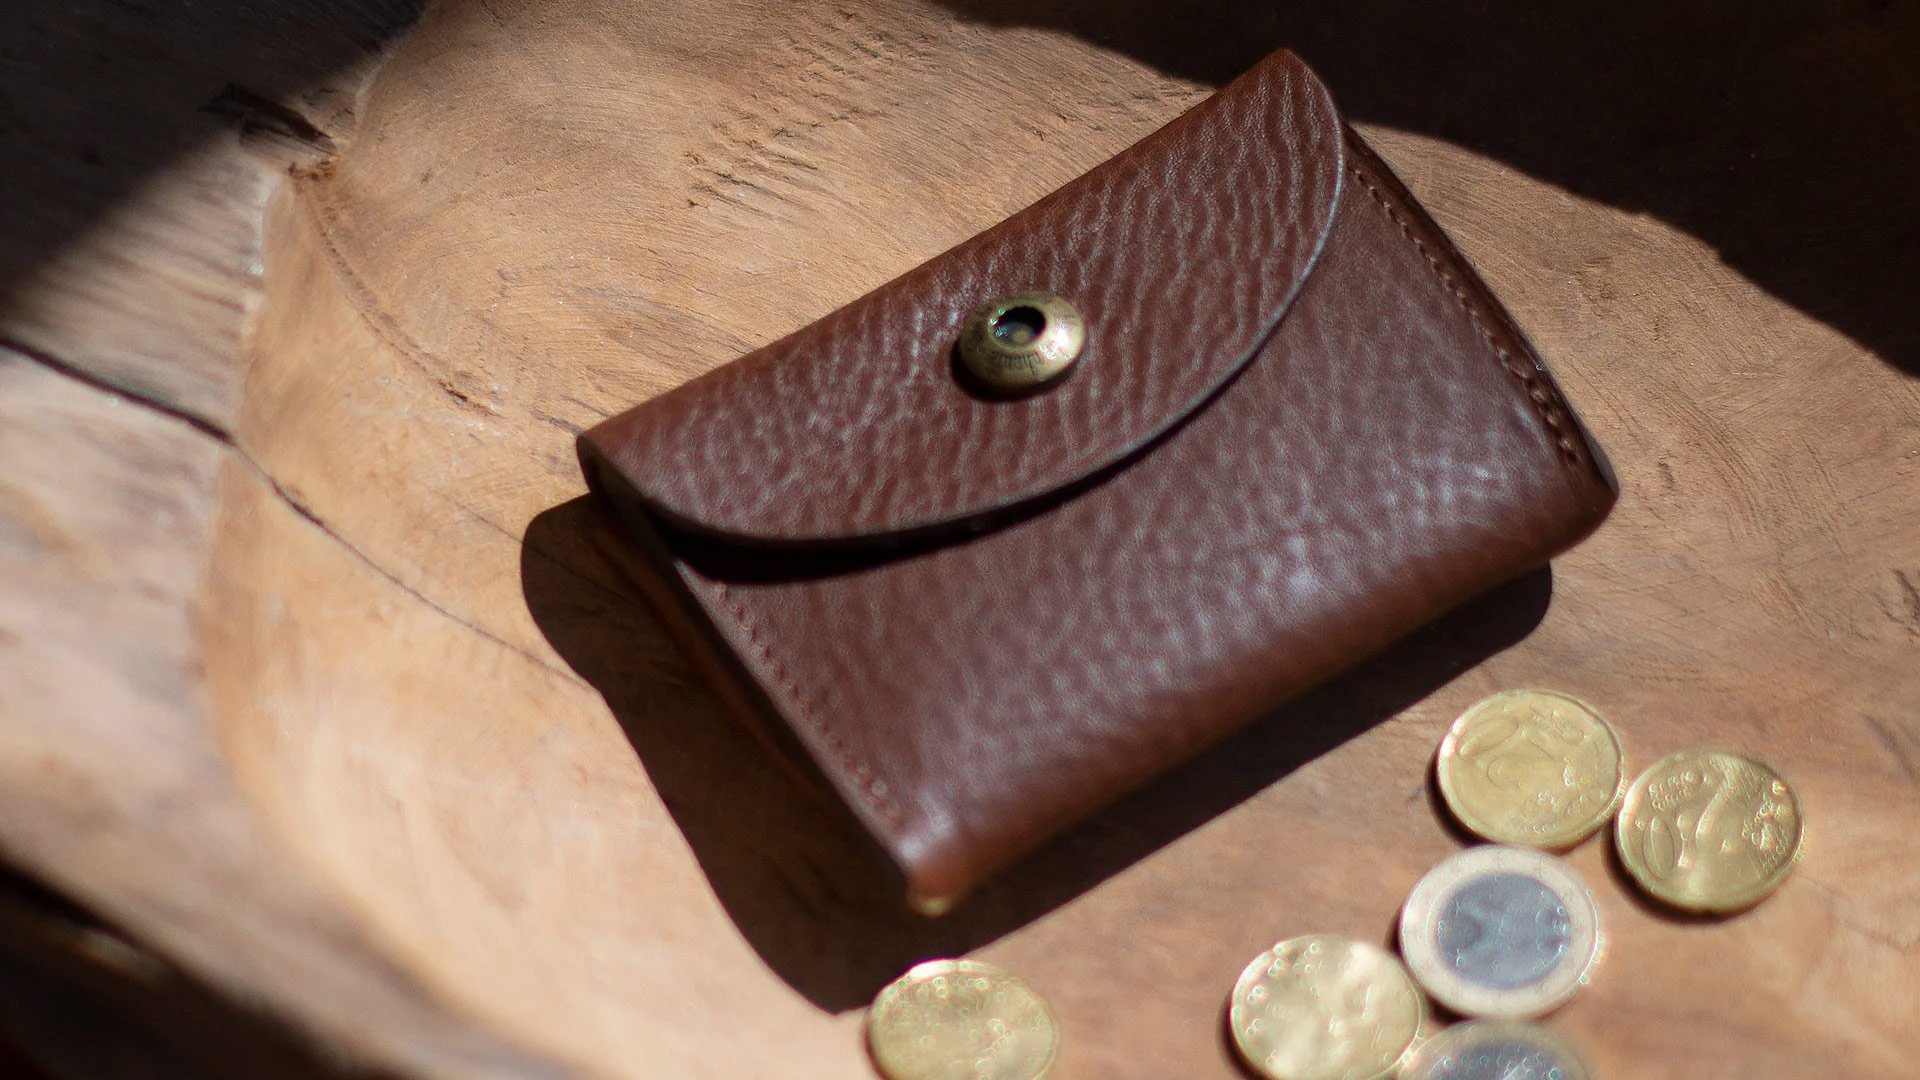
(1021, 341)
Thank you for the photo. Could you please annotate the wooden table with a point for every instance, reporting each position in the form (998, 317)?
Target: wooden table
(328, 742)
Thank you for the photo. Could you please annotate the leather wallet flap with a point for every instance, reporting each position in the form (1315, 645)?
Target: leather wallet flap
(1183, 255)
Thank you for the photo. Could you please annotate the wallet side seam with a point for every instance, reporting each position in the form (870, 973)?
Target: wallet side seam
(1546, 404)
(873, 788)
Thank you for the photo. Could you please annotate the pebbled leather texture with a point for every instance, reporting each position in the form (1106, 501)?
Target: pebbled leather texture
(1233, 530)
(1237, 195)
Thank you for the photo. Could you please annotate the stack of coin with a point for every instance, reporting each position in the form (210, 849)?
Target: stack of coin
(1508, 932)
(1496, 933)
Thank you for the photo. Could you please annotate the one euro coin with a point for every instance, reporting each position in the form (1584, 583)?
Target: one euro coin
(1497, 1050)
(1500, 932)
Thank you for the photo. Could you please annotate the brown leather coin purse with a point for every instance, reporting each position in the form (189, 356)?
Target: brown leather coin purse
(1017, 531)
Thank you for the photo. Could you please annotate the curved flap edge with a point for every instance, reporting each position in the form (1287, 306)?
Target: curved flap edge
(1183, 253)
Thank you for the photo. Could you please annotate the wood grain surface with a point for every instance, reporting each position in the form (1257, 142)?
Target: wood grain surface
(338, 741)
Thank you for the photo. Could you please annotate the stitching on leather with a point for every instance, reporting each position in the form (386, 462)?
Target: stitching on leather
(871, 785)
(1552, 411)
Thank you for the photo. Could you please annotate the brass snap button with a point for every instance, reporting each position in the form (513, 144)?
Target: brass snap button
(1021, 341)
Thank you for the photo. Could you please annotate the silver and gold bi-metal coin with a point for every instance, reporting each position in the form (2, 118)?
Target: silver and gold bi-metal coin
(1536, 768)
(1709, 831)
(961, 1020)
(1502, 932)
(1496, 1050)
(1324, 1008)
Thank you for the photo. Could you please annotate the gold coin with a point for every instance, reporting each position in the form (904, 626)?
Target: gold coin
(1536, 768)
(961, 1020)
(1324, 1008)
(1503, 932)
(1709, 831)
(1497, 1050)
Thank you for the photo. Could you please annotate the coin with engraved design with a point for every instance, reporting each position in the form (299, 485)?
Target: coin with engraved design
(1496, 1050)
(1537, 768)
(1709, 831)
(1324, 1008)
(1502, 932)
(961, 1020)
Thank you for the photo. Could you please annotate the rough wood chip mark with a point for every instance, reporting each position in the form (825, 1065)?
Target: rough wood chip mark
(366, 304)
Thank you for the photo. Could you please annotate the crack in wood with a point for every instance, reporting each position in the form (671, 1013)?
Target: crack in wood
(144, 398)
(226, 441)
